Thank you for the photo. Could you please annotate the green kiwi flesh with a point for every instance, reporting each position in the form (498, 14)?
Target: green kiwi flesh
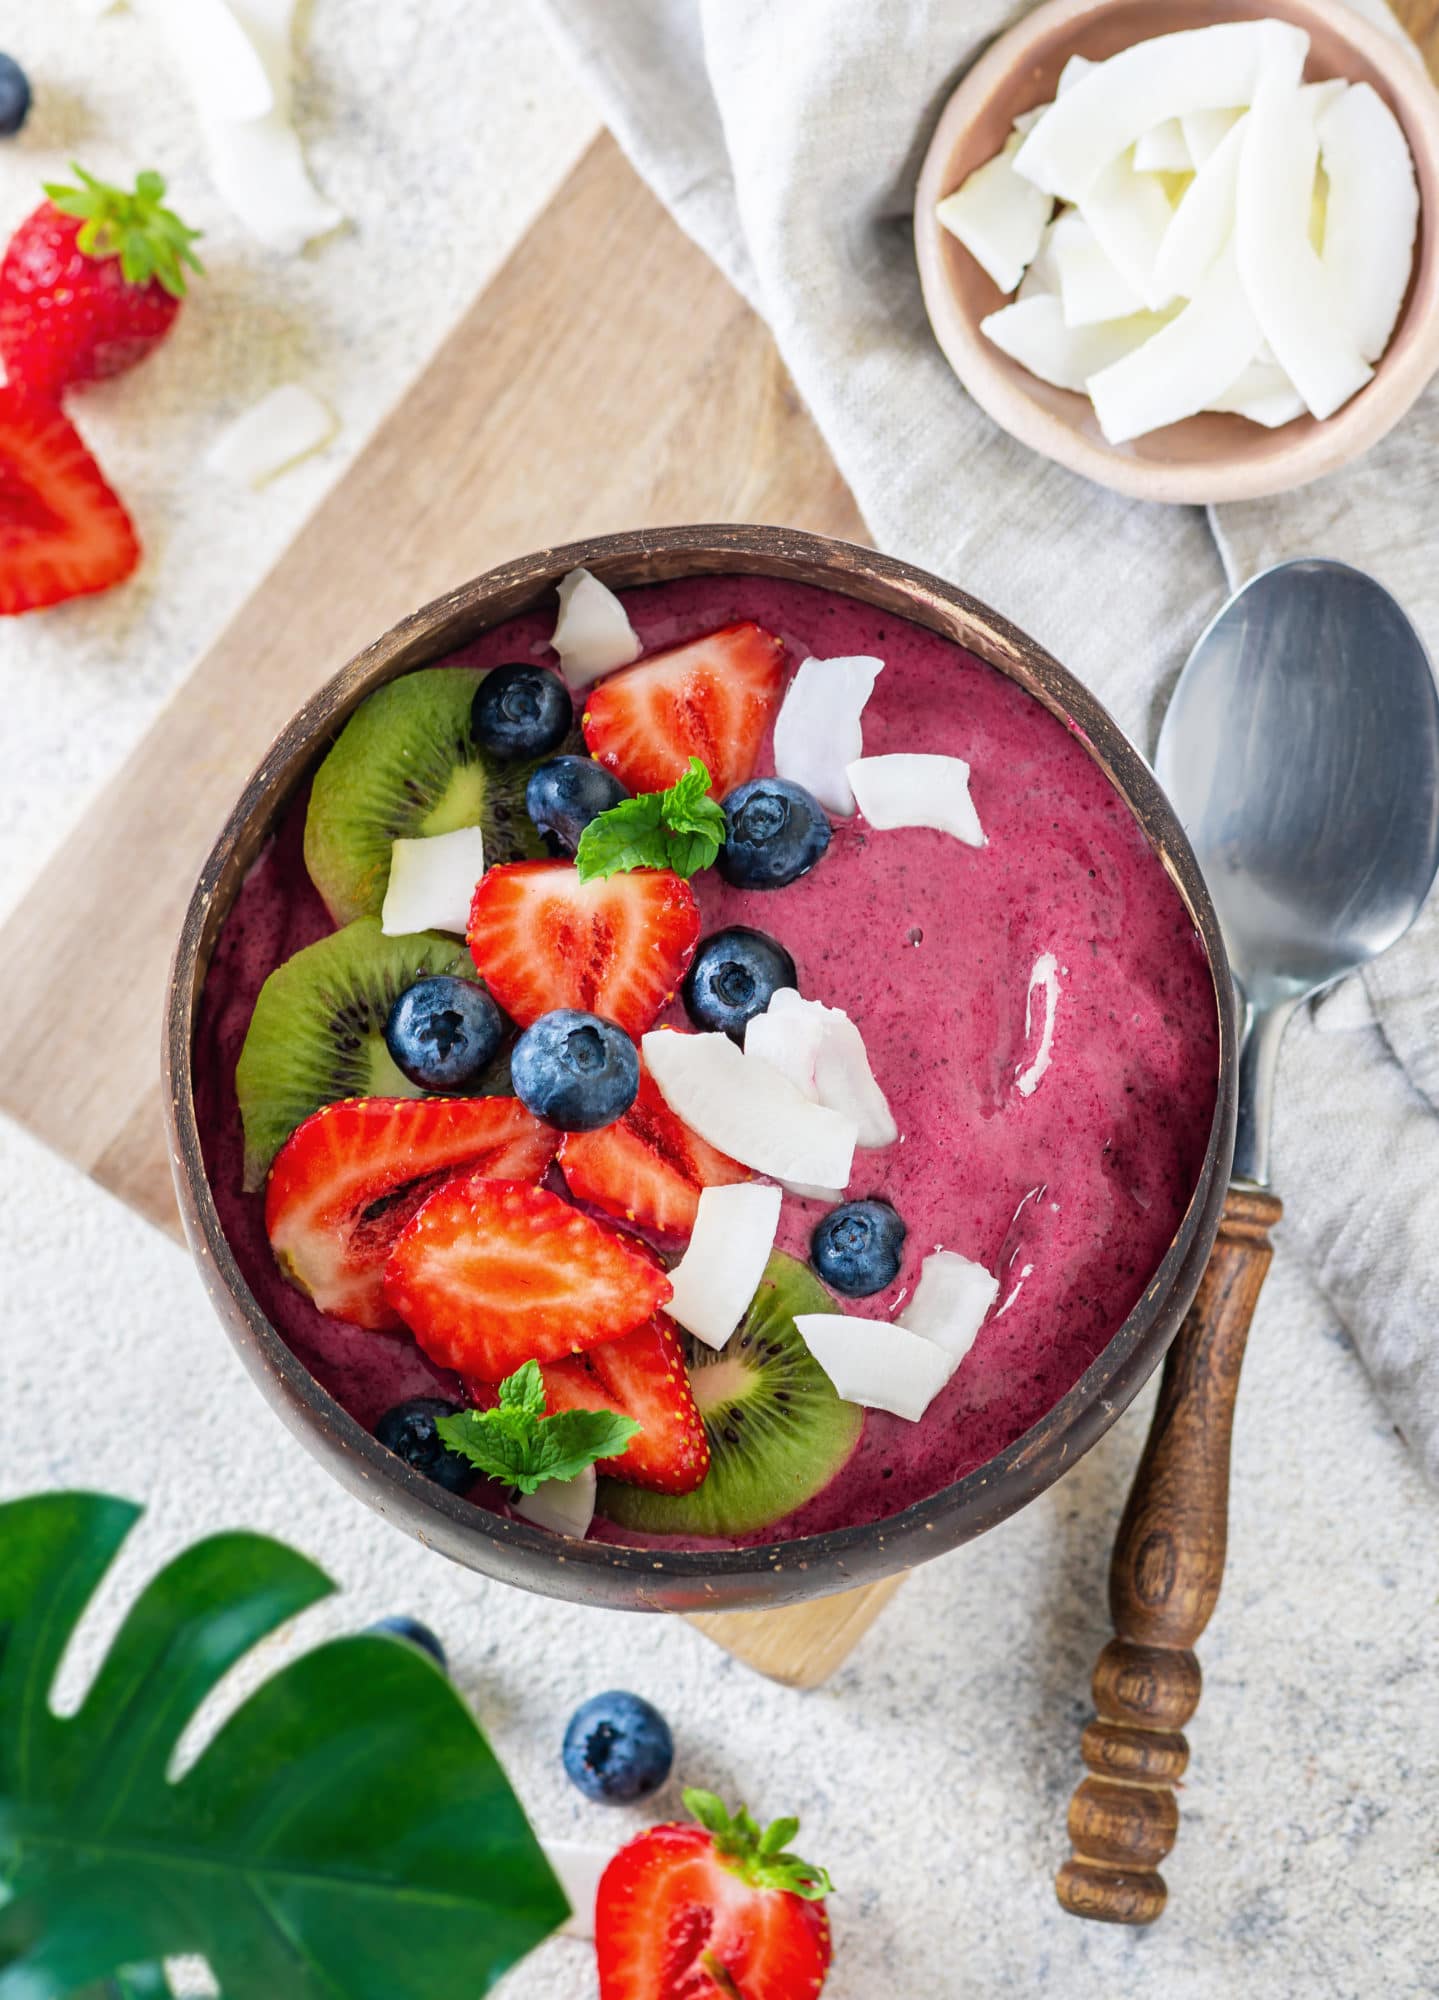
(404, 767)
(777, 1431)
(318, 1031)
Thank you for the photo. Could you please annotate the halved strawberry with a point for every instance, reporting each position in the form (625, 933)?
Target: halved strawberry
(544, 939)
(641, 1375)
(716, 1911)
(648, 1167)
(63, 533)
(712, 699)
(347, 1181)
(491, 1274)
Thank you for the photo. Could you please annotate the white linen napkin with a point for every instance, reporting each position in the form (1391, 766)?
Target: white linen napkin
(786, 136)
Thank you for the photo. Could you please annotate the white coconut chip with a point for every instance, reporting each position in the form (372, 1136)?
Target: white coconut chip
(256, 162)
(1295, 300)
(432, 883)
(818, 731)
(222, 65)
(285, 426)
(728, 1249)
(1163, 149)
(1204, 131)
(1372, 216)
(877, 1363)
(564, 1506)
(579, 1864)
(998, 217)
(1129, 215)
(822, 1052)
(1042, 277)
(1185, 366)
(1043, 979)
(1032, 332)
(749, 1110)
(1203, 223)
(1092, 287)
(593, 634)
(1264, 394)
(1169, 76)
(950, 1302)
(917, 789)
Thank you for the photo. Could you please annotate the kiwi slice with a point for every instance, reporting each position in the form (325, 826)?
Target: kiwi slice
(777, 1431)
(403, 767)
(318, 1031)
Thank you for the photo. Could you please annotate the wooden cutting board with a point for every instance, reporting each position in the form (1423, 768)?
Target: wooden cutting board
(677, 410)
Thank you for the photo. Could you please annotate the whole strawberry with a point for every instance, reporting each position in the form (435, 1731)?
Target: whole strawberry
(717, 1911)
(90, 282)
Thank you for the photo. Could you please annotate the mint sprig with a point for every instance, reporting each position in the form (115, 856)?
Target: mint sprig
(150, 240)
(681, 829)
(758, 1855)
(517, 1443)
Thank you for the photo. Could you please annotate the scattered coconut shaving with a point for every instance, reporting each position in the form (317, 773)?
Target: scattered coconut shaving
(286, 425)
(593, 634)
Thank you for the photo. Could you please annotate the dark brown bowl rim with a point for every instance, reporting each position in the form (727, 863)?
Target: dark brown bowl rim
(661, 1578)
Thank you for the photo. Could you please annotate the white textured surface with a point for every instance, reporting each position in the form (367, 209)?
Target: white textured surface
(932, 1774)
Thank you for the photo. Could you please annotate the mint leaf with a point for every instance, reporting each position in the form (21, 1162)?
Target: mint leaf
(681, 828)
(517, 1443)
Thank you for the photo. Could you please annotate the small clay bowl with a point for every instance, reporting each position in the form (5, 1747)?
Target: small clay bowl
(1205, 458)
(686, 1580)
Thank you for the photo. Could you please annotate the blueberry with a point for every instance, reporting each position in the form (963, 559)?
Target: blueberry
(444, 1032)
(417, 1634)
(563, 796)
(575, 1070)
(735, 975)
(774, 833)
(521, 711)
(14, 97)
(857, 1247)
(618, 1748)
(409, 1431)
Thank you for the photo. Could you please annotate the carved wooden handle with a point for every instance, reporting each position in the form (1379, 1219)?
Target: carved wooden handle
(1163, 1585)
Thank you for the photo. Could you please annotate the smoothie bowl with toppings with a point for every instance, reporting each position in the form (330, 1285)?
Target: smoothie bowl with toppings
(701, 1070)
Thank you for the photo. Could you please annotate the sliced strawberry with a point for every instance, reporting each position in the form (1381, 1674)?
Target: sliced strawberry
(648, 1167)
(63, 533)
(713, 699)
(640, 1375)
(685, 1914)
(346, 1182)
(491, 1274)
(544, 939)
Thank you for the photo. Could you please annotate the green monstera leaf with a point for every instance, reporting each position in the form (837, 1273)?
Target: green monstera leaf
(346, 1835)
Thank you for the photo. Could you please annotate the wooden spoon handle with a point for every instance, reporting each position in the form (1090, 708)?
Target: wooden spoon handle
(1163, 1585)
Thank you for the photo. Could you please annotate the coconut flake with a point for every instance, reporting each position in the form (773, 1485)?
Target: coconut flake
(1129, 215)
(286, 425)
(1294, 299)
(1264, 394)
(1372, 215)
(1205, 131)
(916, 789)
(578, 1864)
(222, 65)
(1194, 359)
(728, 1249)
(1203, 223)
(746, 1108)
(1042, 277)
(593, 634)
(950, 1302)
(1044, 978)
(818, 731)
(432, 883)
(1116, 102)
(1033, 332)
(1091, 286)
(1163, 149)
(998, 217)
(822, 1052)
(564, 1506)
(877, 1362)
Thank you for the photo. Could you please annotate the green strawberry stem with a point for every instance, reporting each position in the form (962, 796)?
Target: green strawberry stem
(150, 240)
(758, 1855)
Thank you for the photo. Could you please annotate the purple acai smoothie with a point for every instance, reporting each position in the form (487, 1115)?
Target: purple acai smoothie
(1070, 1192)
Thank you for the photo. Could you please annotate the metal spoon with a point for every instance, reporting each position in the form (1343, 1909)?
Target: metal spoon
(1301, 751)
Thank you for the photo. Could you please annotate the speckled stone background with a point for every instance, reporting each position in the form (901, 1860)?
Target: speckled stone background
(932, 1774)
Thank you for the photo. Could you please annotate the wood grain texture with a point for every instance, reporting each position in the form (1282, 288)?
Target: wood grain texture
(801, 1646)
(1164, 1583)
